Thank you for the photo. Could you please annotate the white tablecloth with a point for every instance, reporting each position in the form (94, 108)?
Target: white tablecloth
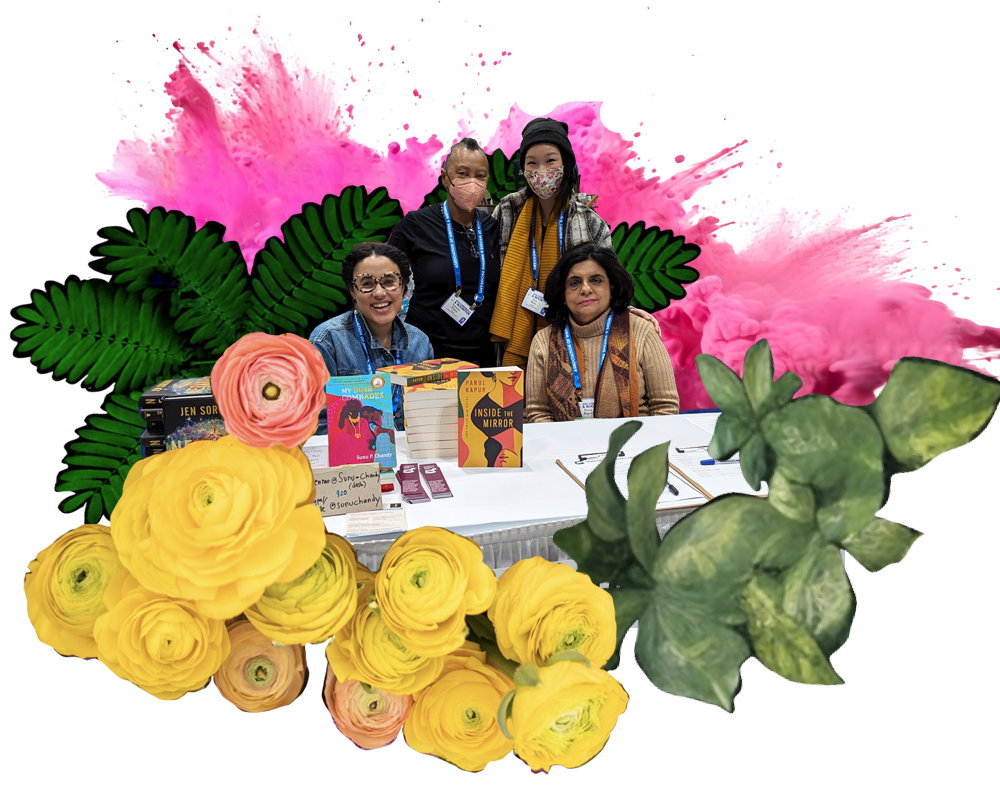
(513, 513)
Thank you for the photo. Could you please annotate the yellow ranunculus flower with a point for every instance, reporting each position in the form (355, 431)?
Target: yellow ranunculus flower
(567, 717)
(545, 607)
(429, 580)
(366, 583)
(217, 522)
(65, 588)
(368, 651)
(163, 645)
(456, 717)
(258, 676)
(316, 605)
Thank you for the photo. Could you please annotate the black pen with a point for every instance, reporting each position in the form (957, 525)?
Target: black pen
(673, 489)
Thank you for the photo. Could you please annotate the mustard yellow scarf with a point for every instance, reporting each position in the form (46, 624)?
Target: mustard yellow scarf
(512, 324)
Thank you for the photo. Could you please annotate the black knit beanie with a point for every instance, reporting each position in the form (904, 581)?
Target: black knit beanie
(547, 130)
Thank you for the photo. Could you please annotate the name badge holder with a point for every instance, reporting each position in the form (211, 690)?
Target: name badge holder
(457, 309)
(534, 300)
(397, 390)
(586, 405)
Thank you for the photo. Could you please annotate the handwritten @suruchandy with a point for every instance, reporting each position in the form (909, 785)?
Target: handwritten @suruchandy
(373, 499)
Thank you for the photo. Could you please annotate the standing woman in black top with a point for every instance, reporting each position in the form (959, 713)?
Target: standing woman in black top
(455, 260)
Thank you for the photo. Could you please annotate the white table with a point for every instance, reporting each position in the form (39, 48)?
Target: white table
(513, 513)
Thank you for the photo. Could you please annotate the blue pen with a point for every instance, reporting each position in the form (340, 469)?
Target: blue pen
(712, 461)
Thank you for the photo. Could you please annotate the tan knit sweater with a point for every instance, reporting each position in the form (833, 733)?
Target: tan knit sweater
(657, 389)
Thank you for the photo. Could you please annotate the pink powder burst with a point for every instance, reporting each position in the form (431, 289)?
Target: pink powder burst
(252, 164)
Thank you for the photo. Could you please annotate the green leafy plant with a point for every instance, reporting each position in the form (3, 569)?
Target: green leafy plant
(499, 182)
(176, 296)
(658, 262)
(745, 576)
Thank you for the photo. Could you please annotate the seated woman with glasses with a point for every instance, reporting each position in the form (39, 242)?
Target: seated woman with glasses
(371, 335)
(596, 359)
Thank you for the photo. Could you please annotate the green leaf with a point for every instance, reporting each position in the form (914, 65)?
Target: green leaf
(929, 407)
(794, 500)
(779, 642)
(711, 553)
(100, 333)
(782, 391)
(725, 387)
(482, 626)
(880, 543)
(688, 653)
(730, 434)
(836, 450)
(605, 503)
(98, 461)
(297, 282)
(657, 261)
(203, 276)
(630, 604)
(601, 560)
(647, 478)
(758, 373)
(756, 461)
(819, 596)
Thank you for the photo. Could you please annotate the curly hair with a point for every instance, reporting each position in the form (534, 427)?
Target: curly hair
(364, 250)
(622, 286)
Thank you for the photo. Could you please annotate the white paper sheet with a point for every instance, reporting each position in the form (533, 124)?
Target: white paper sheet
(716, 478)
(704, 421)
(385, 520)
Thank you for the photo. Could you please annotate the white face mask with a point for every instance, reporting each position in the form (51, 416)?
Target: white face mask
(545, 183)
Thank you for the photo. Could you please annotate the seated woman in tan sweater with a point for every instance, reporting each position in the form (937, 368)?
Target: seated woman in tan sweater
(595, 359)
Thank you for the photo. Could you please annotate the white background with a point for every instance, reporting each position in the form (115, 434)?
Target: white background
(880, 109)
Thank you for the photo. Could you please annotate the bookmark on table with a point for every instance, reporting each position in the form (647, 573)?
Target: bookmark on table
(435, 480)
(409, 484)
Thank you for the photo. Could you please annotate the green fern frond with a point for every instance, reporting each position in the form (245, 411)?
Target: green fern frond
(204, 276)
(98, 460)
(296, 282)
(658, 262)
(100, 333)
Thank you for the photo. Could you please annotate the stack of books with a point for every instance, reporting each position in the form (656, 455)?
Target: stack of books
(178, 411)
(430, 405)
(431, 412)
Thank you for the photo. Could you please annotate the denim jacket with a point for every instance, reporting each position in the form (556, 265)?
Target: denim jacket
(345, 356)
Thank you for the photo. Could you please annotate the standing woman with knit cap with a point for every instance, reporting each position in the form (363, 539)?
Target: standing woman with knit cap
(538, 223)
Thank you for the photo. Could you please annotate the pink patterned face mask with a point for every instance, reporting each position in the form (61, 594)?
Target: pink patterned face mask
(544, 183)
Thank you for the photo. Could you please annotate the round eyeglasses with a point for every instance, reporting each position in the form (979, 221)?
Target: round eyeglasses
(389, 281)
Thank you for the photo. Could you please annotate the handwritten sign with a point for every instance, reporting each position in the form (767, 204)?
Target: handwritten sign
(344, 489)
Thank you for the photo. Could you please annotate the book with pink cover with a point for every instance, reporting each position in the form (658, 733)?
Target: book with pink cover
(360, 421)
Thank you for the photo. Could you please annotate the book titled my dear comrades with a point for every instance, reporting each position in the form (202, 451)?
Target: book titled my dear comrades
(359, 420)
(490, 417)
(418, 373)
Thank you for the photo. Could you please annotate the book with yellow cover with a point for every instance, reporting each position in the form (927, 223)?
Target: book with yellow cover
(490, 417)
(417, 373)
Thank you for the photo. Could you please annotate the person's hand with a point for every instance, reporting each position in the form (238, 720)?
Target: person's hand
(647, 316)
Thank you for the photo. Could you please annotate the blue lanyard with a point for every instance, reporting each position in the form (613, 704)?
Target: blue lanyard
(396, 389)
(572, 351)
(454, 255)
(534, 252)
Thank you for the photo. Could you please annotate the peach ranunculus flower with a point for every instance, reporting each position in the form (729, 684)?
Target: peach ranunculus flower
(65, 588)
(217, 522)
(163, 645)
(257, 675)
(369, 718)
(316, 605)
(270, 389)
(544, 607)
(429, 580)
(455, 718)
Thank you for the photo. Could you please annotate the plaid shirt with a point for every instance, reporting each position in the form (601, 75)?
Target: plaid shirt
(583, 224)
